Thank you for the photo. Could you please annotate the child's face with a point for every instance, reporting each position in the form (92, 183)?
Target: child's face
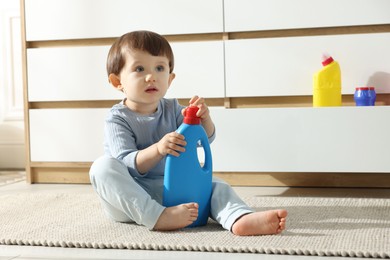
(144, 79)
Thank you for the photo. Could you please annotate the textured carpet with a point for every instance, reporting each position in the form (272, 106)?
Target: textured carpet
(316, 226)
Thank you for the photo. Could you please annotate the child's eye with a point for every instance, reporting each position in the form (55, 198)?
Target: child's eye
(160, 68)
(139, 69)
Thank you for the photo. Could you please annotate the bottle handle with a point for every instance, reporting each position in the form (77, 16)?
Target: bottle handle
(207, 167)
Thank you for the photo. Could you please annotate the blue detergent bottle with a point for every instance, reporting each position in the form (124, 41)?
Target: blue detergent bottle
(185, 179)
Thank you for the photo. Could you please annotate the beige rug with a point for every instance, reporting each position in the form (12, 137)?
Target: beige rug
(316, 226)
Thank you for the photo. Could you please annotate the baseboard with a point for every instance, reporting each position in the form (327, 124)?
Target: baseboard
(79, 175)
(307, 179)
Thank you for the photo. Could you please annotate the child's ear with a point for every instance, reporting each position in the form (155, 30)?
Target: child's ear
(171, 78)
(115, 81)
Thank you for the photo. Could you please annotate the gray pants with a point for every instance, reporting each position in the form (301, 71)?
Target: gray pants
(128, 199)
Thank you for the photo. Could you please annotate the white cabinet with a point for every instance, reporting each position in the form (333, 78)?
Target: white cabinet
(333, 139)
(285, 66)
(252, 15)
(66, 43)
(78, 19)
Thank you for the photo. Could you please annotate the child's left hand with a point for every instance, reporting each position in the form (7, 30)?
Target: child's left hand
(203, 111)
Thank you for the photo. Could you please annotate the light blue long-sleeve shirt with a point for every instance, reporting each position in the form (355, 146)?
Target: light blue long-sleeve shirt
(127, 132)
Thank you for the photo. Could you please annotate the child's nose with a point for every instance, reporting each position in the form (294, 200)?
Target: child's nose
(150, 77)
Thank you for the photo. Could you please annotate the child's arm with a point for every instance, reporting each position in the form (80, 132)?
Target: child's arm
(172, 143)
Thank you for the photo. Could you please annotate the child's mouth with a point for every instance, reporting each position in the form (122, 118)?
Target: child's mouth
(151, 90)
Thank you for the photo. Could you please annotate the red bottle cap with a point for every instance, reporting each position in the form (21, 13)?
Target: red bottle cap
(190, 116)
(327, 61)
(362, 88)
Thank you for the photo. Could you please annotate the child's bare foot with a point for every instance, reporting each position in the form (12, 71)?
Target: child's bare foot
(177, 217)
(261, 223)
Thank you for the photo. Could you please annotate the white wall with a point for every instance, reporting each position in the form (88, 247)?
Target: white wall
(12, 148)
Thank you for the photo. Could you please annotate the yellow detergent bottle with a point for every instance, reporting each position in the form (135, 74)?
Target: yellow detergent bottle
(327, 84)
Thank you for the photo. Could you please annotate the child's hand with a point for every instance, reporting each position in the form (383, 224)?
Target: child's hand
(203, 111)
(172, 143)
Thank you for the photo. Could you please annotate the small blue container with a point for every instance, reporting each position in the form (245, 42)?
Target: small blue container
(372, 95)
(365, 96)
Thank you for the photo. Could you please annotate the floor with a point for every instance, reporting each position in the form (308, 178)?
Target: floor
(9, 177)
(46, 253)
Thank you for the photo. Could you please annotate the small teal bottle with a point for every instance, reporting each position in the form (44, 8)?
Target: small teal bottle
(185, 180)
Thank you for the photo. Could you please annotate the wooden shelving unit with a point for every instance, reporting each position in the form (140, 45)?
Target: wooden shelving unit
(65, 171)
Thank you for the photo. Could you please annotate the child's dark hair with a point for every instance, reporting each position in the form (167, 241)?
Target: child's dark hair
(150, 42)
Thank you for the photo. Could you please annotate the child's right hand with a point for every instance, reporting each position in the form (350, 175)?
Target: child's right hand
(172, 143)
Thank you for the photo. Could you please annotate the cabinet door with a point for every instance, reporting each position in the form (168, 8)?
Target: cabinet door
(75, 19)
(285, 66)
(199, 69)
(69, 73)
(252, 15)
(337, 139)
(66, 135)
(79, 73)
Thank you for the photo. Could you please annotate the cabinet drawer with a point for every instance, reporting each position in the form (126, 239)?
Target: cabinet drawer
(285, 66)
(79, 73)
(252, 15)
(336, 139)
(78, 19)
(66, 135)
(333, 139)
(69, 73)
